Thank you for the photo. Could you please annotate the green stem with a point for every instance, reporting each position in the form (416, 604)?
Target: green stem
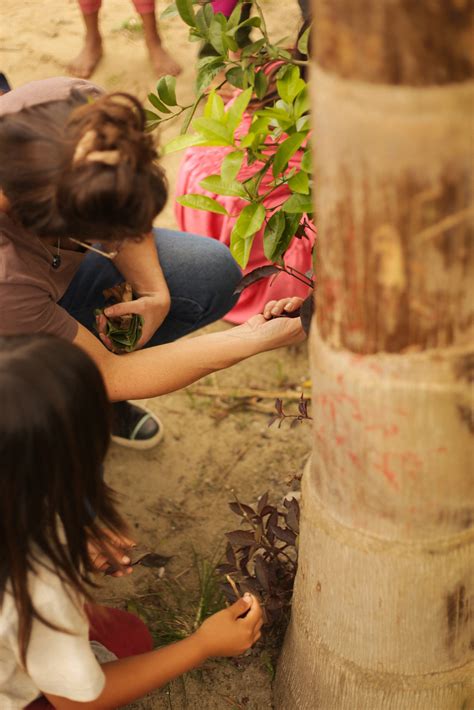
(263, 25)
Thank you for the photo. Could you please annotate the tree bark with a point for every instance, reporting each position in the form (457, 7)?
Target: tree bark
(383, 610)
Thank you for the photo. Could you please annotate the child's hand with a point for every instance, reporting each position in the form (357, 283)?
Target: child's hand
(226, 634)
(284, 305)
(116, 547)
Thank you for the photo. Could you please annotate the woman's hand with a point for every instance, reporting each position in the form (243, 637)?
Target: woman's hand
(153, 307)
(267, 331)
(226, 633)
(284, 306)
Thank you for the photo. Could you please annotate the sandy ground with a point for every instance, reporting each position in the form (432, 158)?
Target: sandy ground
(175, 496)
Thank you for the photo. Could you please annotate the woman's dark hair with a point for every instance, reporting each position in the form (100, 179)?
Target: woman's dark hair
(54, 434)
(52, 193)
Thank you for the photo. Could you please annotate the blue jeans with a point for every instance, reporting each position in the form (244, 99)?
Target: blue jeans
(200, 273)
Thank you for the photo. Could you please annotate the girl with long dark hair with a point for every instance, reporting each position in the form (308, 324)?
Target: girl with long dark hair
(54, 434)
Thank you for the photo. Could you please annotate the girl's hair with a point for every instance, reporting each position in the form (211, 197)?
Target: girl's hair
(53, 193)
(54, 434)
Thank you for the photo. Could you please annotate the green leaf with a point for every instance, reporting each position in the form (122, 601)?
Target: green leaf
(286, 151)
(261, 84)
(240, 248)
(214, 130)
(201, 23)
(171, 11)
(152, 117)
(260, 124)
(216, 34)
(214, 107)
(237, 110)
(183, 142)
(299, 183)
(202, 202)
(302, 103)
(303, 41)
(290, 85)
(298, 203)
(278, 113)
(249, 77)
(186, 12)
(207, 73)
(249, 221)
(306, 161)
(155, 101)
(231, 165)
(214, 183)
(233, 19)
(247, 140)
(302, 124)
(231, 44)
(209, 61)
(208, 13)
(235, 76)
(272, 236)
(251, 22)
(166, 89)
(253, 48)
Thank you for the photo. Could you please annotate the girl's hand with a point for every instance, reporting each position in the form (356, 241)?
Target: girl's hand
(226, 633)
(116, 548)
(284, 305)
(154, 308)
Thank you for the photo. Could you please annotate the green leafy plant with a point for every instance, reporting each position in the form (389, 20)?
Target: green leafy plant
(124, 331)
(261, 556)
(278, 129)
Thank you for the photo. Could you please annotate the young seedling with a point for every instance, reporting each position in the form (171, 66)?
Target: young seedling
(125, 331)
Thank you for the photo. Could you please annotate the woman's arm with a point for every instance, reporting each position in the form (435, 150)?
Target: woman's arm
(139, 264)
(223, 634)
(166, 368)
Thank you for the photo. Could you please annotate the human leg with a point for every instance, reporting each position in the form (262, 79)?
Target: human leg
(200, 273)
(89, 56)
(162, 62)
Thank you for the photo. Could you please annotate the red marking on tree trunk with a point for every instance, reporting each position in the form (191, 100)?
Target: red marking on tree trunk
(384, 468)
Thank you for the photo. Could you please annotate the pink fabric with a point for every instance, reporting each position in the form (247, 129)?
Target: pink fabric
(198, 163)
(120, 632)
(143, 7)
(224, 6)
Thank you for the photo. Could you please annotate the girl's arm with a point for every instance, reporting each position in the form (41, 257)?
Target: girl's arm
(166, 368)
(224, 634)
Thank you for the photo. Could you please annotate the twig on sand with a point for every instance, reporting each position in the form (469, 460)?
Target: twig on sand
(246, 393)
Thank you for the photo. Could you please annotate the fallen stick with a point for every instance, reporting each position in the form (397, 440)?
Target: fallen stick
(247, 392)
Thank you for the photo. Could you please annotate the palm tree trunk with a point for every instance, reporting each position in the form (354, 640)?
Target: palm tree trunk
(383, 610)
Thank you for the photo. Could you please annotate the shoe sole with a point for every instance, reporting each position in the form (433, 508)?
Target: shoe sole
(142, 444)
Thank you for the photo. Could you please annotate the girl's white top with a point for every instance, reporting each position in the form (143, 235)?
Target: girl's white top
(57, 662)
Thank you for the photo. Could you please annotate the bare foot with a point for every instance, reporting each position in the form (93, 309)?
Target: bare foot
(87, 59)
(162, 62)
